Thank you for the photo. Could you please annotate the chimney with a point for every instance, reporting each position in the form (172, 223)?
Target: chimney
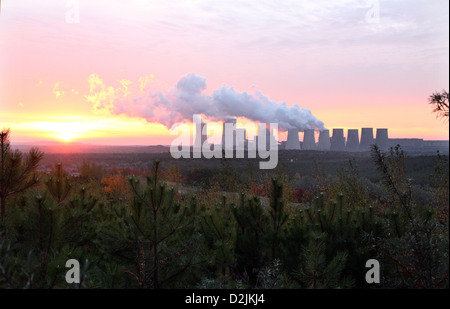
(309, 141)
(352, 140)
(366, 139)
(292, 142)
(324, 140)
(338, 140)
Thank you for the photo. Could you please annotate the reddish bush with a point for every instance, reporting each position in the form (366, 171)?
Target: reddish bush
(302, 195)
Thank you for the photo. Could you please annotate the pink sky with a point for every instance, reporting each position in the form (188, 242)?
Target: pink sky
(324, 56)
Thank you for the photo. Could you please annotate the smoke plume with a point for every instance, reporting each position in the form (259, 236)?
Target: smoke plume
(186, 99)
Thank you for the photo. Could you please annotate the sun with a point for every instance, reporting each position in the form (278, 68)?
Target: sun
(69, 129)
(63, 131)
(66, 136)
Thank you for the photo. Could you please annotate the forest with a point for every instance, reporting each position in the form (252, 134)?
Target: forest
(171, 224)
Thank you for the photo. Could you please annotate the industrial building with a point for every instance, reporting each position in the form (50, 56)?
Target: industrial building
(338, 142)
(237, 140)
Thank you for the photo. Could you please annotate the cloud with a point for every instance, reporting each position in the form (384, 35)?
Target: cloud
(100, 95)
(144, 81)
(57, 91)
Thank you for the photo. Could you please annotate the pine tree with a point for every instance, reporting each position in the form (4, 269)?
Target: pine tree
(342, 228)
(316, 271)
(278, 217)
(58, 184)
(415, 250)
(15, 272)
(17, 172)
(251, 237)
(50, 227)
(155, 232)
(218, 226)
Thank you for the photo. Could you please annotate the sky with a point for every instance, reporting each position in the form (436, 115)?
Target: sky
(123, 72)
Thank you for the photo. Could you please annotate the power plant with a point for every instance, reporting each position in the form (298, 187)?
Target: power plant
(234, 138)
(337, 142)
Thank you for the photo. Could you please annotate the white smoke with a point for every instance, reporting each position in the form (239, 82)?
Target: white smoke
(186, 99)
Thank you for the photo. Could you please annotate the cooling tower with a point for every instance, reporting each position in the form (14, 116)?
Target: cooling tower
(382, 139)
(200, 135)
(338, 140)
(292, 142)
(309, 141)
(269, 136)
(352, 140)
(366, 139)
(231, 132)
(324, 140)
(240, 138)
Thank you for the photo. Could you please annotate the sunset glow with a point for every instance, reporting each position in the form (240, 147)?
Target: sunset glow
(235, 147)
(64, 131)
(115, 75)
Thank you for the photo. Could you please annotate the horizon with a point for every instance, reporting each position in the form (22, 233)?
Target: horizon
(123, 73)
(88, 143)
